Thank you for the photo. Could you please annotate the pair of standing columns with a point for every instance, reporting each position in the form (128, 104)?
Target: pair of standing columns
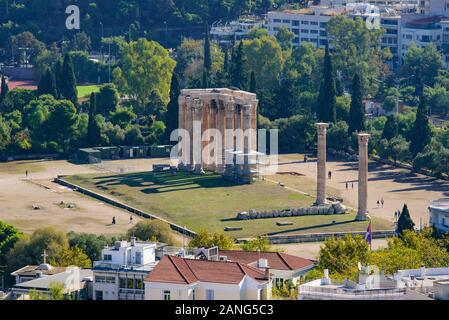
(363, 171)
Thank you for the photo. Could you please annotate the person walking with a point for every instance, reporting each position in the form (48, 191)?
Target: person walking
(347, 185)
(26, 174)
(382, 202)
(113, 220)
(329, 175)
(131, 219)
(378, 204)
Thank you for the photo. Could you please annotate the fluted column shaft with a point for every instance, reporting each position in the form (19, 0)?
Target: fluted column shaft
(363, 177)
(321, 163)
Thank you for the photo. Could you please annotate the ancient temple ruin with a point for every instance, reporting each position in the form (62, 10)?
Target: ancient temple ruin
(224, 120)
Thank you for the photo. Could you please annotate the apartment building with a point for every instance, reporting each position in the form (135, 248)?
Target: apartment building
(121, 272)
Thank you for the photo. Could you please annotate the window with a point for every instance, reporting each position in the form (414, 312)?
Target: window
(167, 295)
(304, 22)
(193, 294)
(123, 283)
(285, 21)
(138, 257)
(209, 294)
(314, 23)
(314, 31)
(107, 257)
(104, 279)
(139, 284)
(277, 20)
(98, 295)
(323, 25)
(295, 31)
(295, 23)
(130, 283)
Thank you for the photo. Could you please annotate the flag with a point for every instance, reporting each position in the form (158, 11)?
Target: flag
(369, 234)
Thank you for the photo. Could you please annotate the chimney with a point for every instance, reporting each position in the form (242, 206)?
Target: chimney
(262, 264)
(133, 241)
(326, 280)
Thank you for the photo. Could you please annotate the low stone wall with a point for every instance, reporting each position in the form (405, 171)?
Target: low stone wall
(121, 205)
(319, 237)
(331, 209)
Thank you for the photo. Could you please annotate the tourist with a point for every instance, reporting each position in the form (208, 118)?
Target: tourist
(305, 158)
(378, 204)
(26, 173)
(382, 202)
(131, 219)
(347, 185)
(113, 220)
(329, 175)
(352, 185)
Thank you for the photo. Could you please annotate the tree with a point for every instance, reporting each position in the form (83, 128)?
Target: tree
(172, 114)
(68, 85)
(152, 230)
(326, 109)
(107, 99)
(3, 89)
(207, 54)
(60, 124)
(252, 83)
(391, 128)
(259, 244)
(5, 134)
(285, 37)
(93, 131)
(357, 111)
(421, 133)
(122, 117)
(91, 244)
(405, 222)
(71, 256)
(47, 84)
(341, 256)
(204, 239)
(148, 62)
(8, 237)
(237, 72)
(287, 99)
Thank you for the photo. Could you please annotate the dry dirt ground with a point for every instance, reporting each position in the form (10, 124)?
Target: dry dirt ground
(18, 195)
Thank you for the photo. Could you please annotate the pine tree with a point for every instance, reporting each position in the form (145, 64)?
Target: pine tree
(327, 100)
(3, 89)
(252, 83)
(391, 128)
(421, 132)
(93, 130)
(237, 72)
(405, 222)
(172, 114)
(226, 62)
(357, 110)
(47, 84)
(68, 86)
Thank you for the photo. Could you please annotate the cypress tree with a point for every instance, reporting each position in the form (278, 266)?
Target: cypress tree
(207, 53)
(391, 128)
(47, 84)
(3, 89)
(205, 82)
(421, 132)
(58, 78)
(405, 222)
(93, 130)
(252, 83)
(226, 62)
(237, 73)
(69, 91)
(172, 114)
(356, 112)
(327, 100)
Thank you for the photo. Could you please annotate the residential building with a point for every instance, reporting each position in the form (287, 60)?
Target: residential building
(76, 283)
(176, 278)
(438, 7)
(368, 287)
(439, 214)
(226, 33)
(31, 272)
(282, 266)
(121, 272)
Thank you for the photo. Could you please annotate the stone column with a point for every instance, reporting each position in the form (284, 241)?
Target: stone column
(206, 116)
(181, 125)
(321, 164)
(213, 125)
(188, 125)
(247, 140)
(221, 127)
(363, 177)
(238, 138)
(197, 112)
(228, 156)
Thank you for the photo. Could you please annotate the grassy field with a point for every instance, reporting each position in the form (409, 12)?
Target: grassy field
(85, 91)
(211, 202)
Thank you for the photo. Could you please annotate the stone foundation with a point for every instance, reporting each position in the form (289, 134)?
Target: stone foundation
(330, 209)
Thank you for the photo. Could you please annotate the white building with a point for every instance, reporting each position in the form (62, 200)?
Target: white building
(439, 214)
(225, 33)
(121, 273)
(438, 7)
(175, 278)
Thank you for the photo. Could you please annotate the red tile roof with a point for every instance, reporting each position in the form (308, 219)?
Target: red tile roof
(186, 271)
(276, 260)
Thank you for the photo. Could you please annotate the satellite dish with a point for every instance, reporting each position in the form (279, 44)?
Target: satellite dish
(359, 265)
